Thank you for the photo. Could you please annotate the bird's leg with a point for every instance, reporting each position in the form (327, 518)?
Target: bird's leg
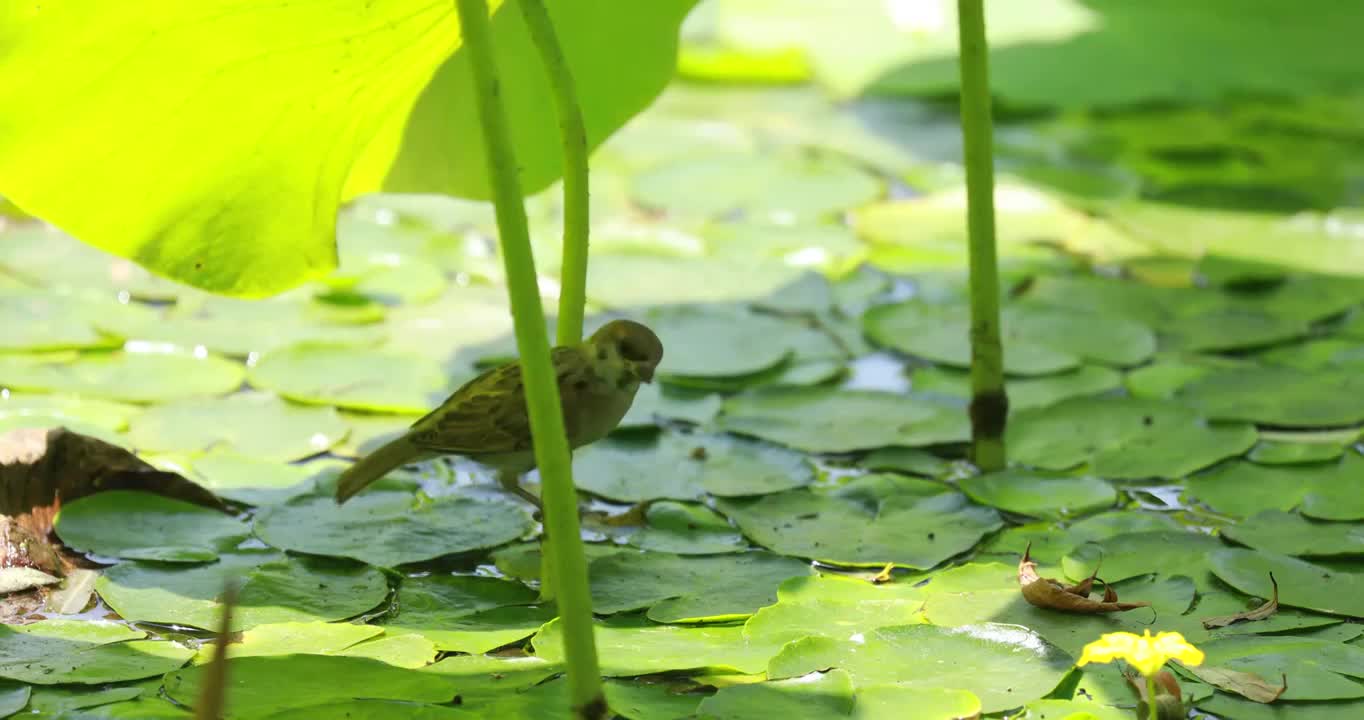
(511, 482)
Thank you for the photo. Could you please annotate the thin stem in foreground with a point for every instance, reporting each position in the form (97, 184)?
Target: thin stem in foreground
(1152, 711)
(989, 403)
(573, 136)
(573, 274)
(542, 392)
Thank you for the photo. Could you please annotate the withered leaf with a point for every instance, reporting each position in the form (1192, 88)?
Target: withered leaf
(1051, 594)
(1259, 613)
(1247, 685)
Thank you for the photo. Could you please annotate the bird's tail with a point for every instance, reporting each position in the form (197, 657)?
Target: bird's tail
(373, 466)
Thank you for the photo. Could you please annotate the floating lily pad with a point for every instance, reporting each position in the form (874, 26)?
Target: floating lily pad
(391, 528)
(13, 697)
(1040, 494)
(405, 651)
(1024, 393)
(657, 401)
(254, 481)
(905, 460)
(1319, 670)
(1301, 584)
(1280, 452)
(1123, 438)
(264, 685)
(431, 606)
(352, 378)
(631, 645)
(1040, 339)
(813, 697)
(1128, 555)
(240, 327)
(274, 589)
(678, 588)
(312, 638)
(914, 532)
(1242, 489)
(1226, 705)
(835, 606)
(145, 526)
(885, 702)
(985, 659)
(664, 280)
(139, 377)
(1338, 492)
(783, 187)
(45, 321)
(66, 409)
(64, 701)
(488, 630)
(256, 424)
(826, 247)
(705, 342)
(684, 466)
(70, 651)
(686, 529)
(828, 420)
(1292, 534)
(1279, 396)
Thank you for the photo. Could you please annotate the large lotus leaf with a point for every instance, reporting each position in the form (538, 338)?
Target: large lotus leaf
(1123, 438)
(256, 424)
(1038, 339)
(139, 377)
(683, 466)
(1044, 53)
(834, 605)
(71, 651)
(914, 532)
(829, 420)
(274, 589)
(253, 481)
(305, 104)
(1003, 665)
(1301, 584)
(677, 588)
(146, 526)
(391, 528)
(1279, 396)
(433, 606)
(632, 645)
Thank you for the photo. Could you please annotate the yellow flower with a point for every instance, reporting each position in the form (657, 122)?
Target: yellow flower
(1145, 653)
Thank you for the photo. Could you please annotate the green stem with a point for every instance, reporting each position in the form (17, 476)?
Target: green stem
(989, 404)
(542, 391)
(573, 136)
(573, 275)
(1152, 709)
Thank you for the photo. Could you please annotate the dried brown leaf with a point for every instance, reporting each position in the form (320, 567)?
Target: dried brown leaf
(1051, 594)
(1260, 613)
(1248, 685)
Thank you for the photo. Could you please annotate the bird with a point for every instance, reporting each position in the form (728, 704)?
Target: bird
(486, 420)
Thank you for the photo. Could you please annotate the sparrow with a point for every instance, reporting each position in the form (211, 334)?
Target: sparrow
(486, 419)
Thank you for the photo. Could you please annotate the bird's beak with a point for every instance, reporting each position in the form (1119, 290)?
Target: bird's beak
(645, 372)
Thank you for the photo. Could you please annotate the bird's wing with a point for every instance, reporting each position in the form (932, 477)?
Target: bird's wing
(488, 414)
